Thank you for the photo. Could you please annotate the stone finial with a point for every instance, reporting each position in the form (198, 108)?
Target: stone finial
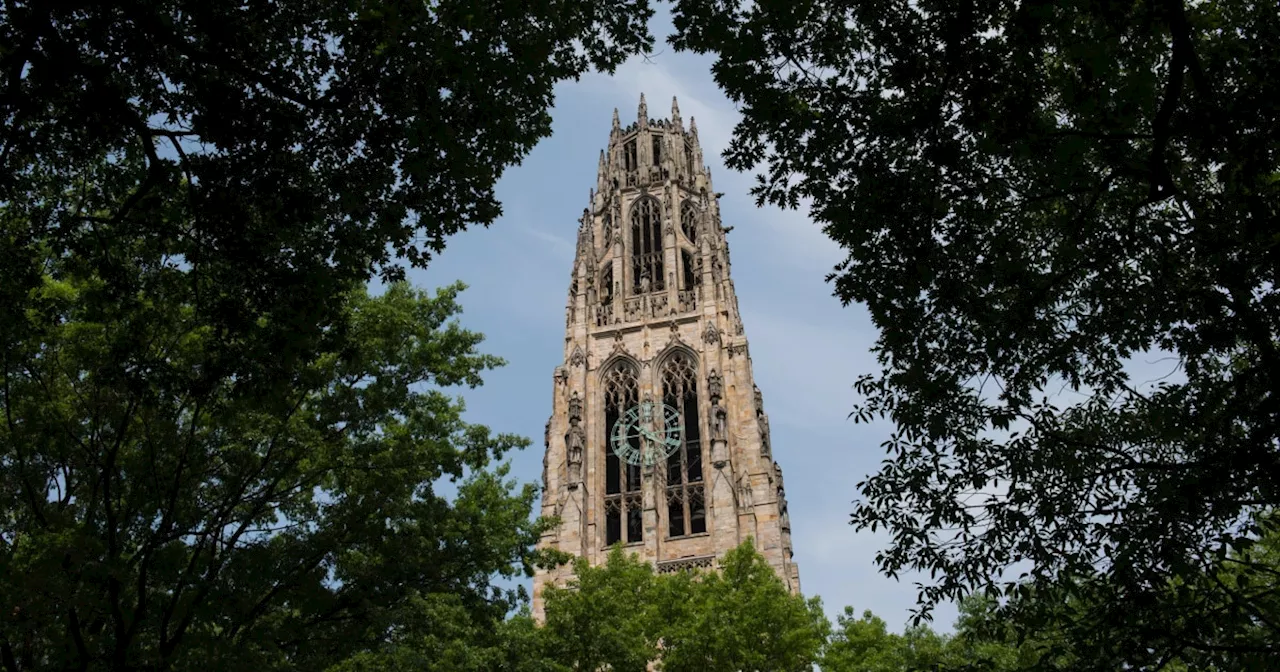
(693, 126)
(675, 113)
(617, 125)
(602, 162)
(642, 113)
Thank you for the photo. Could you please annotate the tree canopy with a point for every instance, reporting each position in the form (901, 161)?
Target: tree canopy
(1031, 195)
(217, 450)
(739, 618)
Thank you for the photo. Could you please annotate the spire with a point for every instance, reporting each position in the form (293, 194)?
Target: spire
(642, 114)
(675, 114)
(617, 126)
(693, 127)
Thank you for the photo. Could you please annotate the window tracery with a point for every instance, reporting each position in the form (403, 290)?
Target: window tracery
(622, 500)
(646, 247)
(689, 221)
(686, 506)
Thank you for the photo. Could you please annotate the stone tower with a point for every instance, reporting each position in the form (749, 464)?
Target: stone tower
(652, 317)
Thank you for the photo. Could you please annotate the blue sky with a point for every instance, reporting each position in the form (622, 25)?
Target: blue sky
(807, 350)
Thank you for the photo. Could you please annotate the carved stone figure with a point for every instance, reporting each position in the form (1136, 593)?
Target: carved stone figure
(720, 420)
(644, 281)
(715, 386)
(575, 408)
(574, 443)
(763, 421)
(710, 335)
(745, 495)
(546, 451)
(755, 389)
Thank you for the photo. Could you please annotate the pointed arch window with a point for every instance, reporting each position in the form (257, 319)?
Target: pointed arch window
(629, 159)
(686, 502)
(646, 247)
(647, 274)
(623, 503)
(689, 221)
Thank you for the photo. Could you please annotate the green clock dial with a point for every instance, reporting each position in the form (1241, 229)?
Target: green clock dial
(646, 433)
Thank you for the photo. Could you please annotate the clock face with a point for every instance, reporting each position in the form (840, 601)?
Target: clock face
(646, 433)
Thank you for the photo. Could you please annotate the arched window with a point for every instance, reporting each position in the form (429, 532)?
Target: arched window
(607, 232)
(686, 502)
(646, 247)
(629, 159)
(689, 221)
(623, 504)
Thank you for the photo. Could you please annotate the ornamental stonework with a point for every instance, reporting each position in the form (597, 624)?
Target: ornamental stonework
(658, 438)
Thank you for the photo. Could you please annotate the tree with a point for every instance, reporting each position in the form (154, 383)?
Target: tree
(740, 618)
(1031, 195)
(862, 645)
(148, 526)
(215, 448)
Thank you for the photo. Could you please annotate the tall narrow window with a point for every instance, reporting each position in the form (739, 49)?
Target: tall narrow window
(689, 221)
(622, 500)
(686, 510)
(657, 150)
(629, 159)
(646, 247)
(688, 158)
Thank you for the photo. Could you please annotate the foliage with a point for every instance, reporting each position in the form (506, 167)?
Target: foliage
(216, 449)
(607, 616)
(740, 617)
(1033, 195)
(439, 635)
(158, 520)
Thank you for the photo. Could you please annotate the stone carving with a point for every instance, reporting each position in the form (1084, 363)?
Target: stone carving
(762, 421)
(745, 495)
(631, 309)
(618, 348)
(737, 349)
(575, 441)
(720, 420)
(711, 335)
(644, 281)
(546, 453)
(658, 305)
(759, 399)
(577, 358)
(575, 409)
(687, 300)
(685, 564)
(715, 386)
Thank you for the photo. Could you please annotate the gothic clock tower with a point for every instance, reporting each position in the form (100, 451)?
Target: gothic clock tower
(658, 437)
